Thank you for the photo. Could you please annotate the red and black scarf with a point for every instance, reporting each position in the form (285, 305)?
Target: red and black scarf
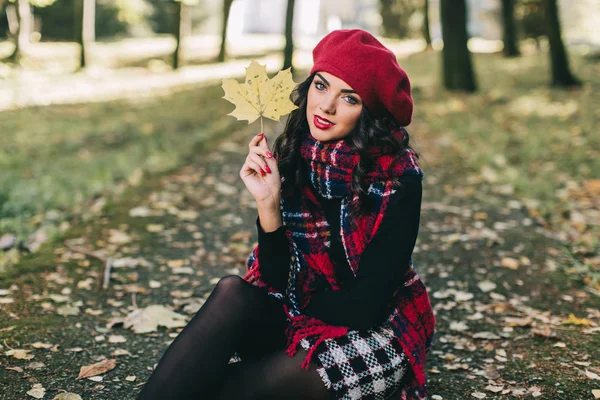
(329, 167)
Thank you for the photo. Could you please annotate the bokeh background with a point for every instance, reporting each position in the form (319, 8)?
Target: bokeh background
(112, 111)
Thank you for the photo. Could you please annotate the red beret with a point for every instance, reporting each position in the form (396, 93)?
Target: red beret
(358, 58)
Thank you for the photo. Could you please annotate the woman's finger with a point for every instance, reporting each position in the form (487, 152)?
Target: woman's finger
(255, 167)
(264, 144)
(261, 151)
(255, 140)
(260, 161)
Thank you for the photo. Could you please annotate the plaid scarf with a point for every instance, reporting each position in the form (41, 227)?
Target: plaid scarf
(329, 167)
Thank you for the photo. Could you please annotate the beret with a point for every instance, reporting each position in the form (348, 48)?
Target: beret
(370, 68)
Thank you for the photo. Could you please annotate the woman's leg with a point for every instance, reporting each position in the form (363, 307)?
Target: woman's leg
(236, 314)
(276, 376)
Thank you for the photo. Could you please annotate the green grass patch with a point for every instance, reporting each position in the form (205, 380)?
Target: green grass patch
(527, 134)
(55, 158)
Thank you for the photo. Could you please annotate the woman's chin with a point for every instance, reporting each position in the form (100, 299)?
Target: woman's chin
(321, 135)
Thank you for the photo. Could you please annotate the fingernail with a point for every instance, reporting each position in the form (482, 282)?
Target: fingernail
(260, 134)
(269, 154)
(267, 169)
(262, 172)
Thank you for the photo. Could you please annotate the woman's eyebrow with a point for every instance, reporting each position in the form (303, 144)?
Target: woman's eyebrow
(327, 83)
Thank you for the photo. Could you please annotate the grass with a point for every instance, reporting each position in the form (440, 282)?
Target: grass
(531, 136)
(56, 158)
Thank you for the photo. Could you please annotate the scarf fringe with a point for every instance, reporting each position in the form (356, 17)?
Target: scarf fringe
(302, 327)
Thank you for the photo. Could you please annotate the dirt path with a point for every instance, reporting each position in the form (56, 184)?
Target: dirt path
(500, 298)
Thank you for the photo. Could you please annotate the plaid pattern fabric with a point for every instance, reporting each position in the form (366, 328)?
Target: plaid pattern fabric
(311, 269)
(367, 365)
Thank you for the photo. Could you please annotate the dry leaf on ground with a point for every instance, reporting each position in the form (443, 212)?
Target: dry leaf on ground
(97, 368)
(148, 319)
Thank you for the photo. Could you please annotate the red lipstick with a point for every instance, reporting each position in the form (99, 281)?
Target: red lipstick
(322, 123)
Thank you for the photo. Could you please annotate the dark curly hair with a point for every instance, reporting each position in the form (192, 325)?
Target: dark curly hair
(368, 132)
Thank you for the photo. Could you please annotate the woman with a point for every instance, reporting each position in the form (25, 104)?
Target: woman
(331, 306)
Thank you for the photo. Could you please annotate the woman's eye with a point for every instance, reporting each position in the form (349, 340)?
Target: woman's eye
(351, 100)
(318, 84)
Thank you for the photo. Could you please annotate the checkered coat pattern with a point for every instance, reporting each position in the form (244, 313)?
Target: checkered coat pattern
(411, 323)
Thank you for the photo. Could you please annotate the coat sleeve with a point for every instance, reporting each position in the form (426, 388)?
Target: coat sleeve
(362, 302)
(273, 256)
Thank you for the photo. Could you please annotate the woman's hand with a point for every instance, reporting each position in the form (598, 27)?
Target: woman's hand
(260, 173)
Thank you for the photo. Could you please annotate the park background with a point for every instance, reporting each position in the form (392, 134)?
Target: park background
(119, 184)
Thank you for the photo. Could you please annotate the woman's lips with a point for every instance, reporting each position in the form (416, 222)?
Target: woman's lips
(322, 124)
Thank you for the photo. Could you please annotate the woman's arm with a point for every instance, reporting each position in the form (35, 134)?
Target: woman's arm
(273, 255)
(362, 302)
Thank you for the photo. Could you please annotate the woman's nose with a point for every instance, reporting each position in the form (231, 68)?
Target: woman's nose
(328, 106)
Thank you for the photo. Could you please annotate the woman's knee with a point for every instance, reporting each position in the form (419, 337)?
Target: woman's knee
(230, 284)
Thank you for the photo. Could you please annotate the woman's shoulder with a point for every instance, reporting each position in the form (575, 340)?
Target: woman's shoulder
(410, 189)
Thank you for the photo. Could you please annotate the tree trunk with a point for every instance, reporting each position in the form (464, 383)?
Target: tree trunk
(561, 73)
(426, 29)
(223, 50)
(288, 51)
(85, 27)
(24, 25)
(511, 46)
(457, 66)
(179, 6)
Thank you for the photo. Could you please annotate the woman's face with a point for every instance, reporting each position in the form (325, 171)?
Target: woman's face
(333, 108)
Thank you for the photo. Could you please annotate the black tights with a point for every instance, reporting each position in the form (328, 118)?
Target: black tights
(237, 316)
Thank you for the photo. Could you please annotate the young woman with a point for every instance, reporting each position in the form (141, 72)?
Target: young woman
(331, 306)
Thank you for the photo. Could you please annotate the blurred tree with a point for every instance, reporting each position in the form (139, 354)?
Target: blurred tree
(22, 23)
(182, 24)
(85, 27)
(223, 49)
(531, 20)
(288, 51)
(561, 73)
(395, 15)
(511, 46)
(457, 66)
(426, 29)
(61, 20)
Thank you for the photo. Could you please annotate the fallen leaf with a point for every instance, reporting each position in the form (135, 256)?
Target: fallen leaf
(67, 396)
(130, 378)
(36, 365)
(486, 335)
(97, 368)
(155, 228)
(116, 339)
(118, 237)
(458, 326)
(493, 388)
(592, 375)
(68, 310)
(510, 263)
(37, 391)
(479, 395)
(486, 286)
(120, 352)
(20, 354)
(40, 345)
(513, 321)
(188, 215)
(148, 319)
(573, 320)
(596, 393)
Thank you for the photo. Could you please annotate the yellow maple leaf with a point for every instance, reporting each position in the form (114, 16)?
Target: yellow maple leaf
(573, 320)
(260, 96)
